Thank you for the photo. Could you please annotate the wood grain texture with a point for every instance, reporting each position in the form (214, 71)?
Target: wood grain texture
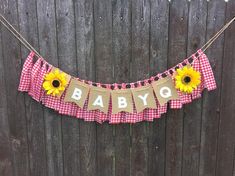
(121, 47)
(6, 167)
(17, 120)
(192, 114)
(211, 101)
(140, 70)
(52, 122)
(159, 31)
(34, 113)
(226, 140)
(117, 41)
(104, 66)
(177, 51)
(66, 47)
(84, 21)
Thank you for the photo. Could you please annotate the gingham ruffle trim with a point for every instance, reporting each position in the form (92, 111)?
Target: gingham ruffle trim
(33, 73)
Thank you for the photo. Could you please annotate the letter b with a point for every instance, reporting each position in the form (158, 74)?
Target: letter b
(122, 102)
(77, 94)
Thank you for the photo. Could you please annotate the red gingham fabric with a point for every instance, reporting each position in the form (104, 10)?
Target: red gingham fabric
(149, 112)
(25, 77)
(206, 70)
(38, 86)
(197, 93)
(32, 77)
(67, 108)
(177, 104)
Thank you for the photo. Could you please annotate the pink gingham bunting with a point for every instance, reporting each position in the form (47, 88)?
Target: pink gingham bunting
(32, 78)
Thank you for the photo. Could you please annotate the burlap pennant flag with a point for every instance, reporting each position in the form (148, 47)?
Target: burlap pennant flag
(121, 101)
(143, 98)
(165, 90)
(77, 92)
(99, 99)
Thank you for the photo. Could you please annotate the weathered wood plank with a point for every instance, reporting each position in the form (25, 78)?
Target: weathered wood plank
(52, 121)
(34, 111)
(84, 21)
(177, 52)
(158, 63)
(121, 39)
(104, 66)
(6, 167)
(122, 55)
(211, 100)
(66, 45)
(117, 41)
(15, 100)
(140, 70)
(192, 113)
(226, 140)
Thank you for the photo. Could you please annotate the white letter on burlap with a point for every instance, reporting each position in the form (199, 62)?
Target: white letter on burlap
(98, 101)
(165, 90)
(143, 98)
(77, 92)
(121, 101)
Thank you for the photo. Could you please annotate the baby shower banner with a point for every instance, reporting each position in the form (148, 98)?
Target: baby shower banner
(144, 100)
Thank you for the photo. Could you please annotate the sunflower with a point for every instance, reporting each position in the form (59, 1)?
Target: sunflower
(187, 79)
(55, 82)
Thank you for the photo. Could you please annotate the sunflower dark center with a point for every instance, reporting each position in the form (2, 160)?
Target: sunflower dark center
(187, 79)
(56, 83)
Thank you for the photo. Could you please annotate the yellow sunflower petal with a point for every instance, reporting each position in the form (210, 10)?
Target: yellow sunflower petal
(63, 74)
(57, 91)
(50, 91)
(57, 72)
(182, 87)
(190, 89)
(178, 77)
(188, 71)
(49, 76)
(52, 76)
(64, 82)
(185, 69)
(179, 72)
(46, 85)
(61, 88)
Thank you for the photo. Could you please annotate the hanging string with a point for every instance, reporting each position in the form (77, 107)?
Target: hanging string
(17, 37)
(212, 39)
(10, 28)
(8, 25)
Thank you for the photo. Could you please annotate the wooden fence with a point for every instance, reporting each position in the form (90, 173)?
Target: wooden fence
(117, 41)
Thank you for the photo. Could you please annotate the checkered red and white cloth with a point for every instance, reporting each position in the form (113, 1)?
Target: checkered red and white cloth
(33, 73)
(25, 79)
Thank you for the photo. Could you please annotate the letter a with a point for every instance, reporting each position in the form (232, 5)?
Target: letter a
(98, 101)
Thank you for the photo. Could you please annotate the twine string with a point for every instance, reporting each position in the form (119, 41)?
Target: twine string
(11, 29)
(212, 39)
